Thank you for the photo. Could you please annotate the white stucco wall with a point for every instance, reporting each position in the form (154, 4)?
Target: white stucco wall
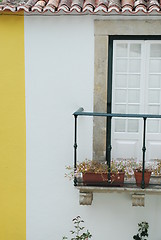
(59, 65)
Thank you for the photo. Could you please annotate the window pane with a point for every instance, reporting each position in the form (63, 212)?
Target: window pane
(154, 81)
(133, 96)
(135, 50)
(155, 66)
(134, 81)
(155, 50)
(120, 125)
(121, 50)
(121, 65)
(120, 108)
(120, 96)
(133, 125)
(154, 96)
(133, 109)
(134, 66)
(153, 109)
(153, 126)
(120, 81)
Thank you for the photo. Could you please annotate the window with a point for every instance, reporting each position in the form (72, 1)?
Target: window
(135, 84)
(136, 34)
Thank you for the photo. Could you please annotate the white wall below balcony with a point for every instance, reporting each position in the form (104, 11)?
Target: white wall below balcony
(59, 58)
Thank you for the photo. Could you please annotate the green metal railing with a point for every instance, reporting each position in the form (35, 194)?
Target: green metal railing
(109, 116)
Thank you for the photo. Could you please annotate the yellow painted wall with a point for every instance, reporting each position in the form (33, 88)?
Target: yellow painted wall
(12, 129)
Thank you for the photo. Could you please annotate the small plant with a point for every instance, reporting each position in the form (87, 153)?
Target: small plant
(139, 168)
(142, 231)
(78, 233)
(157, 167)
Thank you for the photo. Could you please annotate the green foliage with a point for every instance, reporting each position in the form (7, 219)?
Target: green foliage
(78, 233)
(142, 231)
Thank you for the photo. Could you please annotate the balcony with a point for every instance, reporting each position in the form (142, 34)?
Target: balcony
(129, 186)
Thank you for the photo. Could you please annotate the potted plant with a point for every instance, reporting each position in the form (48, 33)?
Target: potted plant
(142, 231)
(98, 173)
(90, 172)
(138, 173)
(93, 172)
(78, 233)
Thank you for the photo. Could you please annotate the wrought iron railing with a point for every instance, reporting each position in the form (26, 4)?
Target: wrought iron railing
(109, 116)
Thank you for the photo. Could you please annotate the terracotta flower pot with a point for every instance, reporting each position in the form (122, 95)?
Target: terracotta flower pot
(117, 179)
(138, 177)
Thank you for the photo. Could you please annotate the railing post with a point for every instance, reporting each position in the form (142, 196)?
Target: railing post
(144, 150)
(75, 149)
(108, 145)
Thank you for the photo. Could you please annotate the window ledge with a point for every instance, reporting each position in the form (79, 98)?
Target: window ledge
(137, 194)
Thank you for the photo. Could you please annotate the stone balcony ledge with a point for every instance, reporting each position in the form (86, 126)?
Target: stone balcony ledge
(137, 193)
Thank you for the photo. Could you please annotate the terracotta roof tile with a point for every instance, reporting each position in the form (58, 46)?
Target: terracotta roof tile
(89, 5)
(77, 5)
(83, 6)
(127, 3)
(64, 5)
(101, 5)
(39, 6)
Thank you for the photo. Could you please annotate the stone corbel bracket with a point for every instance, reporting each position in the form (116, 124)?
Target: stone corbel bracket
(85, 198)
(138, 200)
